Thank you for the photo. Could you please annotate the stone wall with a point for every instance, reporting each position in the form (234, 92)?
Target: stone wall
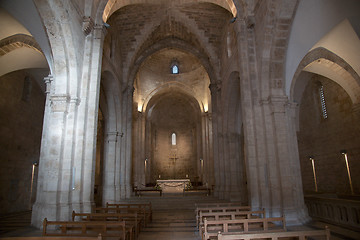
(21, 119)
(174, 114)
(325, 138)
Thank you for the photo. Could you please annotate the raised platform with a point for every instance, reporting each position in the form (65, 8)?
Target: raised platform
(173, 185)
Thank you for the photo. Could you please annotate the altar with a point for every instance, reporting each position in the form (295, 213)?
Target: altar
(173, 185)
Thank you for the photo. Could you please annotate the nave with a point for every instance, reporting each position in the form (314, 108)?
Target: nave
(173, 217)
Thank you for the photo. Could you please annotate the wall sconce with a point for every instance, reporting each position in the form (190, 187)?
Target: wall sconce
(35, 164)
(311, 158)
(343, 152)
(206, 108)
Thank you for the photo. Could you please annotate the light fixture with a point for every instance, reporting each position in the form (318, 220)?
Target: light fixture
(32, 180)
(311, 158)
(206, 108)
(343, 152)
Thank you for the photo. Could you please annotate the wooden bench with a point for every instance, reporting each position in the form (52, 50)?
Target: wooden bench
(141, 213)
(229, 215)
(137, 191)
(88, 229)
(131, 219)
(147, 206)
(197, 189)
(99, 237)
(216, 208)
(301, 235)
(213, 227)
(217, 204)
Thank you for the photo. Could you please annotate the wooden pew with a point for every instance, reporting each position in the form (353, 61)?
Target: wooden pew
(89, 229)
(215, 208)
(141, 213)
(217, 204)
(131, 219)
(301, 235)
(137, 191)
(213, 227)
(229, 215)
(147, 206)
(99, 237)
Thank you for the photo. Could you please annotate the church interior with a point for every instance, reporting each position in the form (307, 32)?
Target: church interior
(182, 101)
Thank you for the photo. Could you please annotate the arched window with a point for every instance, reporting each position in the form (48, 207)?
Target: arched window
(175, 69)
(322, 102)
(173, 139)
(174, 66)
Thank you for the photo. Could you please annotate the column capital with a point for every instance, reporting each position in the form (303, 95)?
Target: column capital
(87, 25)
(47, 80)
(278, 103)
(215, 86)
(112, 136)
(59, 102)
(129, 90)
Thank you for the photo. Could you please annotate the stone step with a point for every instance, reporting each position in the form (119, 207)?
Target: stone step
(171, 224)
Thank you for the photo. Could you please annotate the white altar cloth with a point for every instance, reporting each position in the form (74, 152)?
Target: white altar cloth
(173, 185)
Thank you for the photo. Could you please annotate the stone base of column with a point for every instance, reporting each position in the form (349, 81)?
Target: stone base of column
(293, 216)
(56, 212)
(41, 211)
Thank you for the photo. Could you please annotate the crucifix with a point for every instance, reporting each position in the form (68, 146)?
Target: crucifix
(174, 158)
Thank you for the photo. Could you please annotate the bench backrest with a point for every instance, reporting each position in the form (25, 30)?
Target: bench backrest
(302, 235)
(219, 209)
(146, 206)
(230, 215)
(212, 227)
(130, 205)
(104, 216)
(83, 228)
(217, 204)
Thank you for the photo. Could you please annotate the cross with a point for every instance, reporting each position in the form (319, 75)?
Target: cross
(174, 157)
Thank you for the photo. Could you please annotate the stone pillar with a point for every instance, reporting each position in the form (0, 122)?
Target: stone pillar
(284, 195)
(110, 168)
(126, 144)
(215, 100)
(139, 154)
(67, 158)
(205, 155)
(225, 159)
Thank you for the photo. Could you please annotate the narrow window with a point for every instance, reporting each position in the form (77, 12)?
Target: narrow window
(175, 69)
(322, 102)
(173, 139)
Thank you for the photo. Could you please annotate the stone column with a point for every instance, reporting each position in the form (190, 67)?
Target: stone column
(215, 97)
(225, 159)
(139, 154)
(110, 167)
(67, 159)
(283, 167)
(126, 145)
(205, 155)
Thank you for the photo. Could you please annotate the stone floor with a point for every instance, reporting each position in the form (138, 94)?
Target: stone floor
(173, 219)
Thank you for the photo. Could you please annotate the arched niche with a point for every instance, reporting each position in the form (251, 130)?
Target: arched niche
(170, 114)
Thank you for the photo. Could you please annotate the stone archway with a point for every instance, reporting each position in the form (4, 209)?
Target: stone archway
(172, 136)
